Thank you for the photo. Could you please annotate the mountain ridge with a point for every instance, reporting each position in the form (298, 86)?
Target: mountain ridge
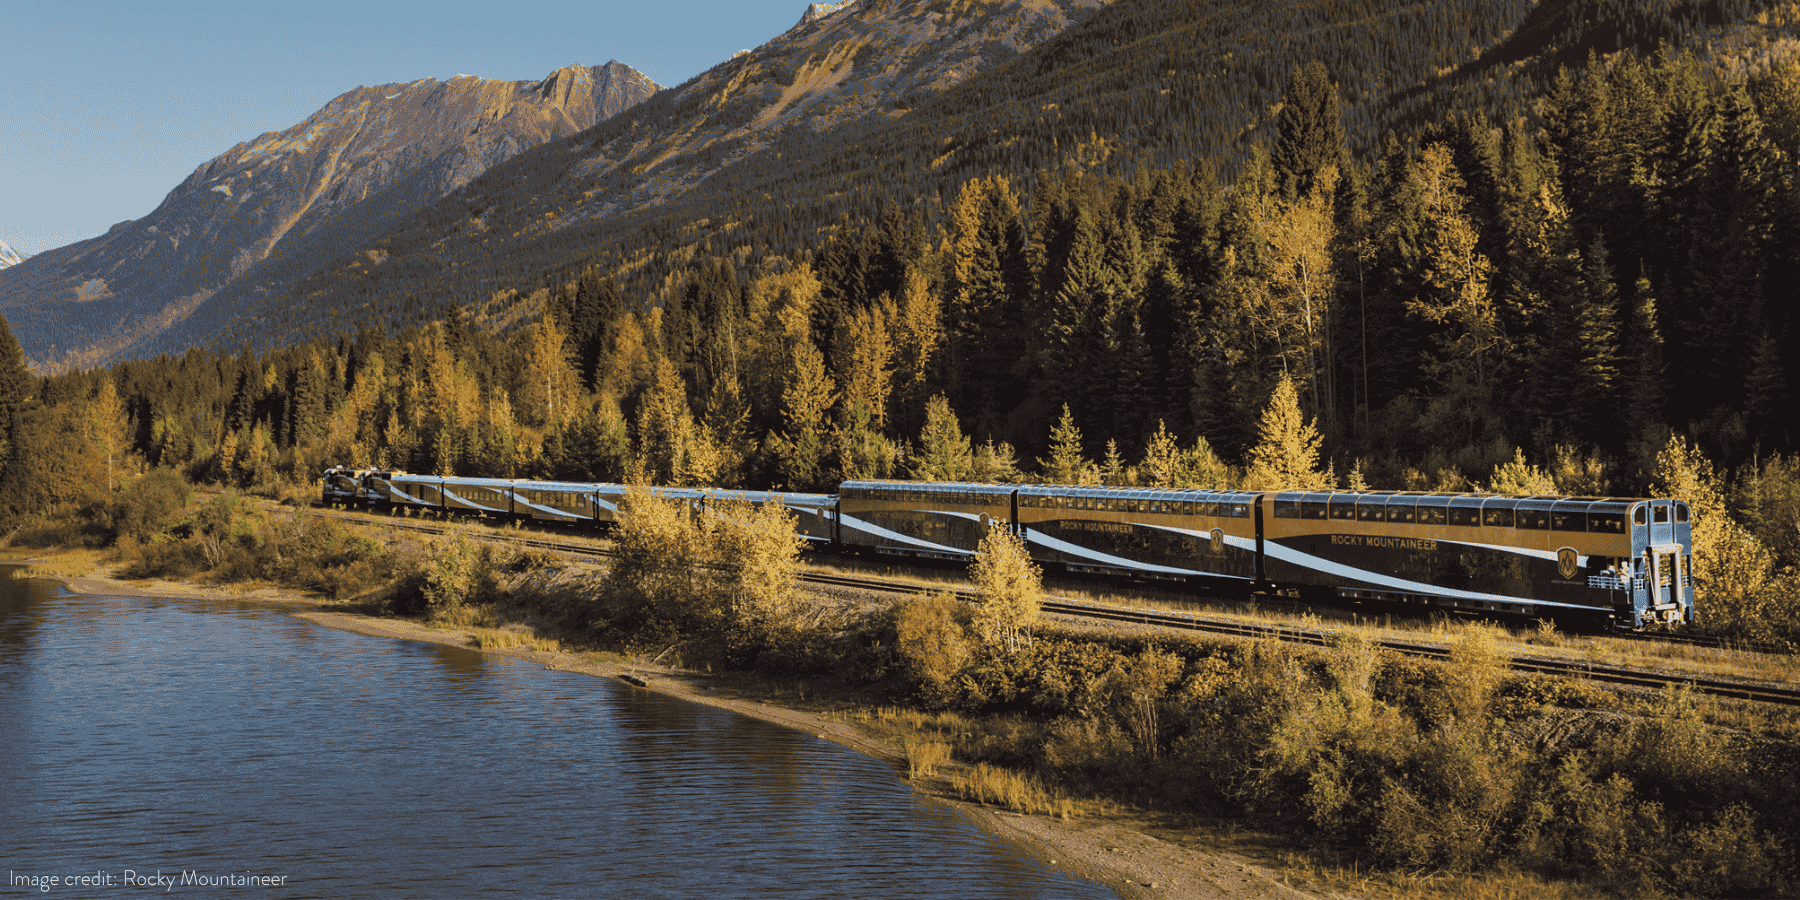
(367, 158)
(835, 75)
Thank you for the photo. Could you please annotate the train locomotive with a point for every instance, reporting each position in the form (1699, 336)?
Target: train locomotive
(1624, 564)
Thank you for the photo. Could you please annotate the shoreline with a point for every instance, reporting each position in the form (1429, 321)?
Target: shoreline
(1131, 863)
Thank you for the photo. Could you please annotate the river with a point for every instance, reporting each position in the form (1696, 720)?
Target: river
(207, 747)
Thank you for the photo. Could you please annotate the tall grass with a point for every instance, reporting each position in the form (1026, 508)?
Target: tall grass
(1008, 789)
(924, 755)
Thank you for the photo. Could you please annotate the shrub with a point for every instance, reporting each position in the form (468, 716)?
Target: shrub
(147, 504)
(653, 577)
(1326, 759)
(1447, 805)
(929, 637)
(452, 572)
(752, 555)
(1011, 589)
(1134, 692)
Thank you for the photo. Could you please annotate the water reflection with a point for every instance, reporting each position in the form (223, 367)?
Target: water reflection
(185, 735)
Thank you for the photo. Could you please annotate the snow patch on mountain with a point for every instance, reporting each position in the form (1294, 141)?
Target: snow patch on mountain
(11, 257)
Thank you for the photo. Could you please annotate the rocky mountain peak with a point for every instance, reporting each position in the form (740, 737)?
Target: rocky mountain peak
(368, 158)
(9, 256)
(817, 11)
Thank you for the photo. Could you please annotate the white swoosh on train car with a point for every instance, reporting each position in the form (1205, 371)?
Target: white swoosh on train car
(1320, 564)
(547, 509)
(879, 531)
(461, 499)
(1117, 562)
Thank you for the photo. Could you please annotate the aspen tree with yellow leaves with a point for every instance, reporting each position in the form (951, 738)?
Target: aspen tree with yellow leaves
(1011, 589)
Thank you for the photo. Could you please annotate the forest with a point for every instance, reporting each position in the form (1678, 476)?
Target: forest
(1139, 82)
(1596, 300)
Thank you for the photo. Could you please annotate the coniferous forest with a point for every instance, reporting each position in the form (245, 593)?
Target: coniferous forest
(1595, 299)
(1582, 284)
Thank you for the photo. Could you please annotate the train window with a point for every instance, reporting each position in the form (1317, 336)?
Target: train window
(1371, 512)
(1681, 513)
(1312, 509)
(1401, 514)
(1240, 510)
(1637, 515)
(1433, 515)
(1662, 515)
(1606, 523)
(1536, 519)
(1497, 518)
(1343, 509)
(1568, 521)
(1465, 515)
(1287, 509)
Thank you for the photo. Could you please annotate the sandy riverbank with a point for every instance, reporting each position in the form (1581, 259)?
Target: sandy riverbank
(1132, 863)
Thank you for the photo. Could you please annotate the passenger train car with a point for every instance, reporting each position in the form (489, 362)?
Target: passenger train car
(1626, 563)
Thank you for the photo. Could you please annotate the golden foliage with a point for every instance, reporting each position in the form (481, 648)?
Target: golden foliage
(1011, 589)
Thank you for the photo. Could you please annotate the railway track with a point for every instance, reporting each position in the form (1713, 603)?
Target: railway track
(1618, 676)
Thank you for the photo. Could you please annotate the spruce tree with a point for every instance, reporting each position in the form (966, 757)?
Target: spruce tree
(1286, 457)
(1309, 131)
(1066, 464)
(945, 454)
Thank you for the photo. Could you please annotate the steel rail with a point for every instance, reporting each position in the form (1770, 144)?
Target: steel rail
(1613, 675)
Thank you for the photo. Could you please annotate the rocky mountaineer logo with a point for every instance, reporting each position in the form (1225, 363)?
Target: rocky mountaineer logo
(1566, 561)
(1218, 540)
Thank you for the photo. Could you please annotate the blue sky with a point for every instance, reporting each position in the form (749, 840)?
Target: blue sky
(106, 107)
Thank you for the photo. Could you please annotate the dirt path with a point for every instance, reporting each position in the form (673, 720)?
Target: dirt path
(1133, 864)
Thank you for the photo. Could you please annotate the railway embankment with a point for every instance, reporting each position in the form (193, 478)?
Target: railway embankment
(1340, 767)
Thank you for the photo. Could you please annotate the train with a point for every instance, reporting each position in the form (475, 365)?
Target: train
(1613, 563)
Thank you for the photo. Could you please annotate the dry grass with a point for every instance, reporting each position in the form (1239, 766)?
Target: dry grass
(1011, 790)
(924, 755)
(510, 639)
(75, 563)
(491, 630)
(1312, 871)
(1532, 638)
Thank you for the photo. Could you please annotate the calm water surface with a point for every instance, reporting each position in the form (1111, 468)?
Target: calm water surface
(145, 736)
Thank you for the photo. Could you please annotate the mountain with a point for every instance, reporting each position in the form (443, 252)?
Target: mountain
(887, 105)
(11, 257)
(366, 160)
(880, 106)
(838, 74)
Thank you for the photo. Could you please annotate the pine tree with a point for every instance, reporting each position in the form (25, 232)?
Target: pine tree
(919, 331)
(995, 463)
(16, 387)
(1286, 457)
(549, 393)
(806, 404)
(944, 452)
(1310, 131)
(987, 281)
(1521, 478)
(865, 361)
(1066, 464)
(1162, 460)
